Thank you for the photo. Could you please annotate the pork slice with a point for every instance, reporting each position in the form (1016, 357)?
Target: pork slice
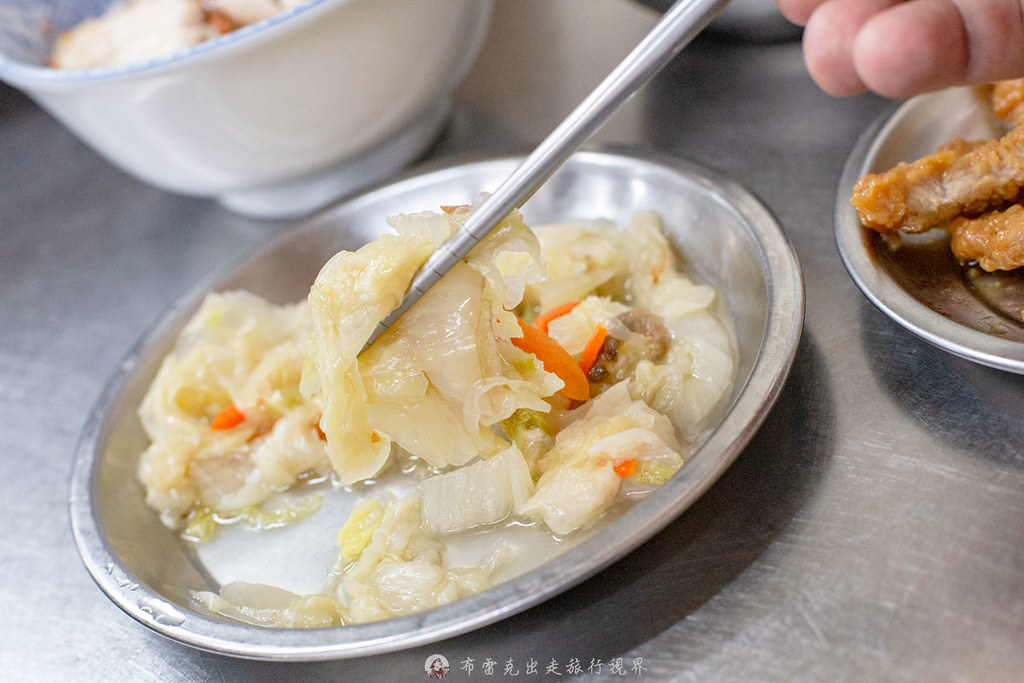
(995, 239)
(962, 178)
(1007, 98)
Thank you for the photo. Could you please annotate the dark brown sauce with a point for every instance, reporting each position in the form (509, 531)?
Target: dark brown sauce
(924, 266)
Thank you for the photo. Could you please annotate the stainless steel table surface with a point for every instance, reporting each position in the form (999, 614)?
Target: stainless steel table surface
(873, 529)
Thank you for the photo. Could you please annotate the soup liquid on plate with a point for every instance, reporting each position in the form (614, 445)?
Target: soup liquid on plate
(924, 266)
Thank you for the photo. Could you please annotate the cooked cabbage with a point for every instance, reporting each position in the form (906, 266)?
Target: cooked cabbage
(468, 408)
(263, 605)
(358, 529)
(574, 329)
(638, 266)
(403, 569)
(581, 259)
(237, 350)
(691, 386)
(577, 479)
(353, 291)
(204, 522)
(483, 492)
(441, 376)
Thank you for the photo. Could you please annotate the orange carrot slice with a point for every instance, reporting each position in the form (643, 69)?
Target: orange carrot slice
(542, 320)
(593, 348)
(626, 468)
(555, 359)
(226, 419)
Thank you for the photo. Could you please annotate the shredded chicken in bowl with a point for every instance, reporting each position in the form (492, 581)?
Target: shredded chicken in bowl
(139, 30)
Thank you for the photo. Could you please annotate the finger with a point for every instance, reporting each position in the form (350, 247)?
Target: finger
(829, 42)
(926, 45)
(798, 11)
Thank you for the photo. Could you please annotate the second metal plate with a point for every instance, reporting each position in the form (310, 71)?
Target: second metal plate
(962, 309)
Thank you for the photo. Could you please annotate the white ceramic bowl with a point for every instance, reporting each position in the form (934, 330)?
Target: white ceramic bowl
(274, 119)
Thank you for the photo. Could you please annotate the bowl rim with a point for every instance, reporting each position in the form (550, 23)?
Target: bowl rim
(753, 399)
(25, 74)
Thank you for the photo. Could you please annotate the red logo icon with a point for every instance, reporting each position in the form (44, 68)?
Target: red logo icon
(436, 666)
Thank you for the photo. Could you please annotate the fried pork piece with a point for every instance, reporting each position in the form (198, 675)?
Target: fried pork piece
(995, 240)
(962, 178)
(1007, 98)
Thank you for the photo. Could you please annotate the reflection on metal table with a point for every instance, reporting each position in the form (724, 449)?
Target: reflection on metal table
(872, 530)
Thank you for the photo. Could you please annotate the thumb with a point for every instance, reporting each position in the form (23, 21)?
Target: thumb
(924, 45)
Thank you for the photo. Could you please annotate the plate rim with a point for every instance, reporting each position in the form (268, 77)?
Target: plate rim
(753, 401)
(881, 289)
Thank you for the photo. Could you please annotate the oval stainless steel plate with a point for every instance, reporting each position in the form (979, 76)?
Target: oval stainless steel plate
(965, 311)
(727, 238)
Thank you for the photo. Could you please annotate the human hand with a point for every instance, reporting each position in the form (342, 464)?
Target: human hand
(900, 48)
